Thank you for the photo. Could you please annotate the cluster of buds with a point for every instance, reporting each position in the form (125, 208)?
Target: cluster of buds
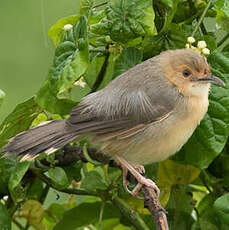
(201, 46)
(80, 82)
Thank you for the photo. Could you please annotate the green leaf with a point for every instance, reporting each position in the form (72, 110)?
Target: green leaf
(53, 214)
(2, 96)
(49, 101)
(180, 207)
(16, 177)
(171, 173)
(58, 177)
(33, 211)
(207, 216)
(222, 17)
(73, 171)
(5, 223)
(126, 20)
(173, 38)
(94, 70)
(85, 214)
(128, 58)
(94, 179)
(169, 11)
(221, 206)
(115, 65)
(7, 167)
(35, 190)
(109, 71)
(211, 135)
(56, 32)
(19, 120)
(70, 62)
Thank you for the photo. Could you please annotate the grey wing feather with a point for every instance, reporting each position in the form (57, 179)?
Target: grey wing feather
(139, 96)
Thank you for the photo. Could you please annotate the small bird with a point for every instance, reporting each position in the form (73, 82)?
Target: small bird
(143, 116)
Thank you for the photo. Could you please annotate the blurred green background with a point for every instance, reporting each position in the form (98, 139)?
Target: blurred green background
(25, 49)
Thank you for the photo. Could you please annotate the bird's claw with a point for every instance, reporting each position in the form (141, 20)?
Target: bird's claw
(142, 181)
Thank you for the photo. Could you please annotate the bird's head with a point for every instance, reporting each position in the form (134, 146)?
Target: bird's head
(189, 71)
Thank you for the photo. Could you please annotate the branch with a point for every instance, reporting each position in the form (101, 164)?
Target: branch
(130, 214)
(46, 180)
(73, 153)
(155, 208)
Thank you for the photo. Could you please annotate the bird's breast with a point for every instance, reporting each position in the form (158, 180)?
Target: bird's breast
(163, 138)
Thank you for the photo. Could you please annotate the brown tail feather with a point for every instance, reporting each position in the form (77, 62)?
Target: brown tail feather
(39, 139)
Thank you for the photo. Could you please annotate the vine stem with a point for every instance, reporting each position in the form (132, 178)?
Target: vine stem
(201, 18)
(101, 215)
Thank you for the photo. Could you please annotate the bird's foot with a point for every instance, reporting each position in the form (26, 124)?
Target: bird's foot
(136, 172)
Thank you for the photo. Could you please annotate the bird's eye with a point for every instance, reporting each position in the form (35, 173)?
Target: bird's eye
(186, 73)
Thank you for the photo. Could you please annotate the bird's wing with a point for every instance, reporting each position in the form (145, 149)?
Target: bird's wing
(124, 107)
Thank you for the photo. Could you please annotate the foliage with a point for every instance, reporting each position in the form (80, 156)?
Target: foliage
(104, 40)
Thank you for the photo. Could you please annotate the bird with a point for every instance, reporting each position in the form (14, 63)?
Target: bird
(143, 116)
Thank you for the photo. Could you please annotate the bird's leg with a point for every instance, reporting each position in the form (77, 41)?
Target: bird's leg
(136, 172)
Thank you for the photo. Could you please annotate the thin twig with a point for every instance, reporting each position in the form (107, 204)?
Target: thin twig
(201, 18)
(99, 5)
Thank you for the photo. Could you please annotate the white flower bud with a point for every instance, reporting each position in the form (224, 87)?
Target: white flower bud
(202, 44)
(187, 46)
(191, 40)
(205, 51)
(67, 27)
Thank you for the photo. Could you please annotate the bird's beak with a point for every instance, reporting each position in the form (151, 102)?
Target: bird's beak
(212, 79)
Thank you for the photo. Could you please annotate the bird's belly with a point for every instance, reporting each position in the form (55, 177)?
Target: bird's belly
(158, 142)
(159, 147)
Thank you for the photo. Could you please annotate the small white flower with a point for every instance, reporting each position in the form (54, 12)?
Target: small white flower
(191, 40)
(5, 198)
(202, 44)
(80, 82)
(206, 51)
(67, 27)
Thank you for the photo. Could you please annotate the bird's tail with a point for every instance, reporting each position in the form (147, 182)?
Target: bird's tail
(44, 138)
